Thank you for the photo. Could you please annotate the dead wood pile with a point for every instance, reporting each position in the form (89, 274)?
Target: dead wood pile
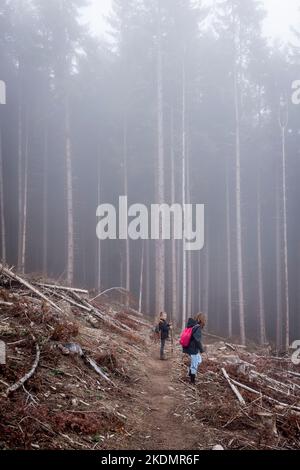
(70, 364)
(246, 400)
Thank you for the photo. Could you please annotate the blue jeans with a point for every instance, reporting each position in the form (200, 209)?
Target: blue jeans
(162, 347)
(196, 360)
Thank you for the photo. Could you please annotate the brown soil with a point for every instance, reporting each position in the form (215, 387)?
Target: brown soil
(159, 424)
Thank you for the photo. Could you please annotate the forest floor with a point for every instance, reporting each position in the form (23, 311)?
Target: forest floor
(83, 374)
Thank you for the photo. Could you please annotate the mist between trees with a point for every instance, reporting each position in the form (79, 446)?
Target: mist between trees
(185, 104)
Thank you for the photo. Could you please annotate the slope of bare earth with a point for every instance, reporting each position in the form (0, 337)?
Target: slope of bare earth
(92, 379)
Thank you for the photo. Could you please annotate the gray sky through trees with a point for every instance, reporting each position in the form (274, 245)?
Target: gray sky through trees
(281, 16)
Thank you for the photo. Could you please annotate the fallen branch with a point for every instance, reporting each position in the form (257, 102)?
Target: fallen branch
(109, 290)
(295, 374)
(27, 376)
(29, 286)
(228, 345)
(64, 288)
(266, 397)
(97, 369)
(6, 304)
(233, 388)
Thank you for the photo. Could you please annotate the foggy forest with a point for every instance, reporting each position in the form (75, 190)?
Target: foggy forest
(88, 120)
(179, 102)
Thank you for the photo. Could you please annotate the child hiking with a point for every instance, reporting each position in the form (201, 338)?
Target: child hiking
(164, 329)
(191, 341)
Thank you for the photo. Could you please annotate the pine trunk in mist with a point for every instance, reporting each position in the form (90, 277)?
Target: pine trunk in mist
(238, 209)
(69, 196)
(160, 189)
(2, 214)
(98, 269)
(283, 125)
(127, 246)
(174, 252)
(45, 202)
(147, 281)
(141, 277)
(229, 275)
(206, 280)
(199, 284)
(24, 211)
(20, 183)
(184, 257)
(189, 254)
(278, 274)
(261, 297)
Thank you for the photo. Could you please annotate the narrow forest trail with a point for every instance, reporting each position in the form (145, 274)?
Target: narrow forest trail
(160, 424)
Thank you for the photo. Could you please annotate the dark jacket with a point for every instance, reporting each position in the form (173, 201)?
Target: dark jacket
(164, 328)
(195, 345)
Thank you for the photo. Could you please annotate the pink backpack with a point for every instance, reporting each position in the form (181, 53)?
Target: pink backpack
(186, 337)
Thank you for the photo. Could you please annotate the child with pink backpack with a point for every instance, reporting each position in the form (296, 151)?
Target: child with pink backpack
(191, 342)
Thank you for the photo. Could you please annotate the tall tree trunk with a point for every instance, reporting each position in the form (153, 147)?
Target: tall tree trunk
(25, 199)
(189, 254)
(20, 181)
(99, 261)
(160, 189)
(261, 297)
(199, 283)
(147, 283)
(127, 246)
(141, 277)
(283, 125)
(238, 210)
(184, 257)
(2, 214)
(228, 236)
(207, 278)
(45, 202)
(278, 273)
(69, 195)
(174, 252)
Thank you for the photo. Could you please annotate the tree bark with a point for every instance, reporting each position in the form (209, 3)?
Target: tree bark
(2, 205)
(160, 189)
(127, 246)
(174, 252)
(261, 297)
(184, 257)
(283, 125)
(238, 209)
(20, 181)
(278, 273)
(25, 199)
(69, 195)
(99, 260)
(229, 278)
(141, 277)
(45, 202)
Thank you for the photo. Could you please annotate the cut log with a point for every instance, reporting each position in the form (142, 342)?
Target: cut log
(233, 388)
(27, 376)
(20, 280)
(63, 288)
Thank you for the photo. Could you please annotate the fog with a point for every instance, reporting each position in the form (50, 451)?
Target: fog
(170, 109)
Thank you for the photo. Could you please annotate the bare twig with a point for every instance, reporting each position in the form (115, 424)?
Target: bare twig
(233, 388)
(27, 376)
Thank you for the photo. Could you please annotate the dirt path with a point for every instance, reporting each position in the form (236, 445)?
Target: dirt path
(162, 425)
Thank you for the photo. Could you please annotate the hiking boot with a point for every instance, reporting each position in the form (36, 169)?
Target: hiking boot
(193, 378)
